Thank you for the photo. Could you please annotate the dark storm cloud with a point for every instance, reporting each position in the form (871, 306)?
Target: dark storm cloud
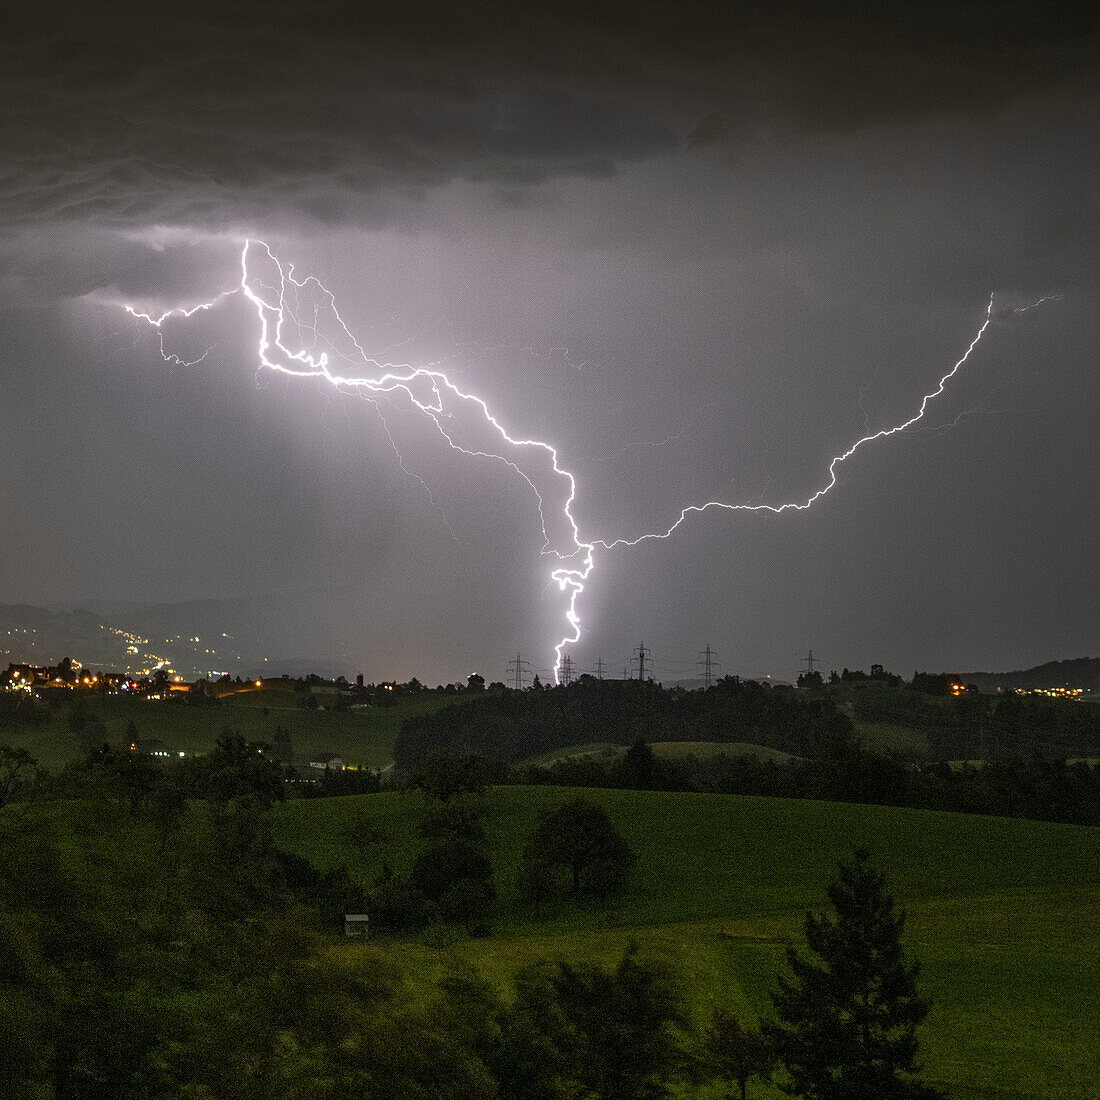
(230, 114)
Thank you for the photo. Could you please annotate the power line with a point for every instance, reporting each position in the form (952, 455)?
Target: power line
(517, 672)
(709, 660)
(807, 669)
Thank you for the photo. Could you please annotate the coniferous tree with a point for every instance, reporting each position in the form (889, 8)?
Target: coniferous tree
(847, 1018)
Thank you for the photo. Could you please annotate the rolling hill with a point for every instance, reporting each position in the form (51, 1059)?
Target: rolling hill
(1001, 914)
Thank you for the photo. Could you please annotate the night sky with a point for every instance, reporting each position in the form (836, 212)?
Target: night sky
(699, 253)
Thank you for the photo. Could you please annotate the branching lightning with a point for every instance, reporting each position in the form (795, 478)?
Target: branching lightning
(276, 296)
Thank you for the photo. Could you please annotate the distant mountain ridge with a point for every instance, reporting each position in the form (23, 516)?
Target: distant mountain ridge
(40, 635)
(132, 637)
(1082, 672)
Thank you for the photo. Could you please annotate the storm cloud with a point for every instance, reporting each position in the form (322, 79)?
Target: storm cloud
(244, 113)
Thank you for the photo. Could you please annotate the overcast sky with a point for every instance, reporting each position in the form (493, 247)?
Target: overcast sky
(699, 253)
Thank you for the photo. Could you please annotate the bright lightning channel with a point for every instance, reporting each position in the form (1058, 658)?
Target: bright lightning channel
(431, 392)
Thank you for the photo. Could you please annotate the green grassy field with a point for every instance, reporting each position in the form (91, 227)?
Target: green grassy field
(680, 750)
(603, 751)
(359, 736)
(1002, 914)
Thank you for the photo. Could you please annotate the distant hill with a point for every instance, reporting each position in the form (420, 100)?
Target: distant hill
(1082, 672)
(40, 635)
(199, 638)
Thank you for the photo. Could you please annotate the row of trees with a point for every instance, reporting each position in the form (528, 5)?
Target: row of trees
(1035, 787)
(509, 726)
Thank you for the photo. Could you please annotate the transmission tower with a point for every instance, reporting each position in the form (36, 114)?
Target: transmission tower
(808, 667)
(565, 676)
(639, 659)
(517, 672)
(599, 669)
(708, 661)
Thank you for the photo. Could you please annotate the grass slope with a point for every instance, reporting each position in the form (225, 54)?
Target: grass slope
(605, 752)
(602, 751)
(703, 750)
(1002, 914)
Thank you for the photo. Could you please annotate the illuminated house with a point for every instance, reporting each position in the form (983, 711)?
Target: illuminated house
(67, 674)
(18, 676)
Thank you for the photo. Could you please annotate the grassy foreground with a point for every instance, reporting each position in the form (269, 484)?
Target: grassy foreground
(1002, 914)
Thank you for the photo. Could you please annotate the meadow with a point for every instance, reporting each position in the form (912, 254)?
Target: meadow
(1001, 914)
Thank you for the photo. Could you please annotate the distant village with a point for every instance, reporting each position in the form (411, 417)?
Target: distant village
(71, 675)
(310, 692)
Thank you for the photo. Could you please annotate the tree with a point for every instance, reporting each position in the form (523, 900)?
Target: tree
(394, 905)
(19, 773)
(362, 831)
(847, 1019)
(733, 1052)
(88, 728)
(638, 767)
(606, 877)
(459, 879)
(614, 1034)
(238, 769)
(537, 883)
(459, 819)
(578, 835)
(443, 776)
(469, 901)
(282, 745)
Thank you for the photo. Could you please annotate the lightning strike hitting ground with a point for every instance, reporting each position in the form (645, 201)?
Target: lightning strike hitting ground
(296, 345)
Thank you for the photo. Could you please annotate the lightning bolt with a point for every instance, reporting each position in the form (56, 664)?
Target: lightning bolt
(838, 460)
(158, 324)
(277, 298)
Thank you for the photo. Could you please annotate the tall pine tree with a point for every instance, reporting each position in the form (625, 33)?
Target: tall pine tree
(847, 1017)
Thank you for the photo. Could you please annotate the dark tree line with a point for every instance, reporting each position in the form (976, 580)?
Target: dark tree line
(1035, 788)
(513, 725)
(510, 726)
